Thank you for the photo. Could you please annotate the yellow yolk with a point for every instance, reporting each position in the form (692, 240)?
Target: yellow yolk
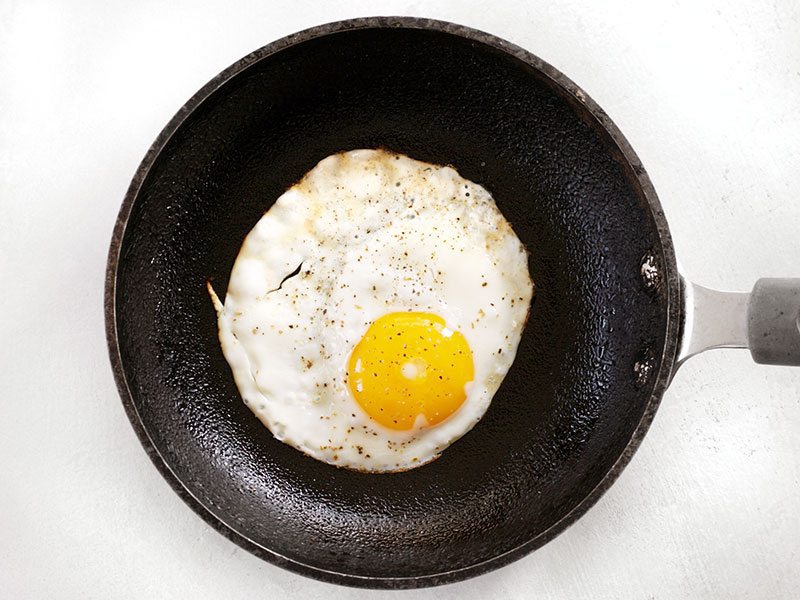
(409, 364)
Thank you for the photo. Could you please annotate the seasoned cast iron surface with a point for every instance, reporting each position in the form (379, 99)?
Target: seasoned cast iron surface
(565, 412)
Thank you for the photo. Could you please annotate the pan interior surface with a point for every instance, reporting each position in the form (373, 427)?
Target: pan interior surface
(565, 412)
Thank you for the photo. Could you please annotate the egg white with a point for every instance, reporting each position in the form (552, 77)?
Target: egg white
(372, 232)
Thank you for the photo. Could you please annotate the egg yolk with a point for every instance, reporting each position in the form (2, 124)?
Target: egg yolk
(410, 364)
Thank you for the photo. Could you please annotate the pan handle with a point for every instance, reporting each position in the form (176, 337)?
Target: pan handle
(766, 320)
(773, 322)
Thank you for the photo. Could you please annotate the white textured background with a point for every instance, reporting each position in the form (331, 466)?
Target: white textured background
(708, 94)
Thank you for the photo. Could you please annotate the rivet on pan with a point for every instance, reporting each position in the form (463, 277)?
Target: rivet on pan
(650, 272)
(644, 367)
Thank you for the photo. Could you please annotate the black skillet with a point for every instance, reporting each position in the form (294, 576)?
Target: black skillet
(611, 320)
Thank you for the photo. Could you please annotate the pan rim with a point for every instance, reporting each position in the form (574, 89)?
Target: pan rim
(670, 277)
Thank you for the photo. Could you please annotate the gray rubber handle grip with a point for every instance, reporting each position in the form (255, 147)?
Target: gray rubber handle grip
(773, 322)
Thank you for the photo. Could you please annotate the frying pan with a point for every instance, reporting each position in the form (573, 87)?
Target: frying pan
(611, 322)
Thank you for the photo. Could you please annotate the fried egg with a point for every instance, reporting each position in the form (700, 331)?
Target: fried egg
(374, 309)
